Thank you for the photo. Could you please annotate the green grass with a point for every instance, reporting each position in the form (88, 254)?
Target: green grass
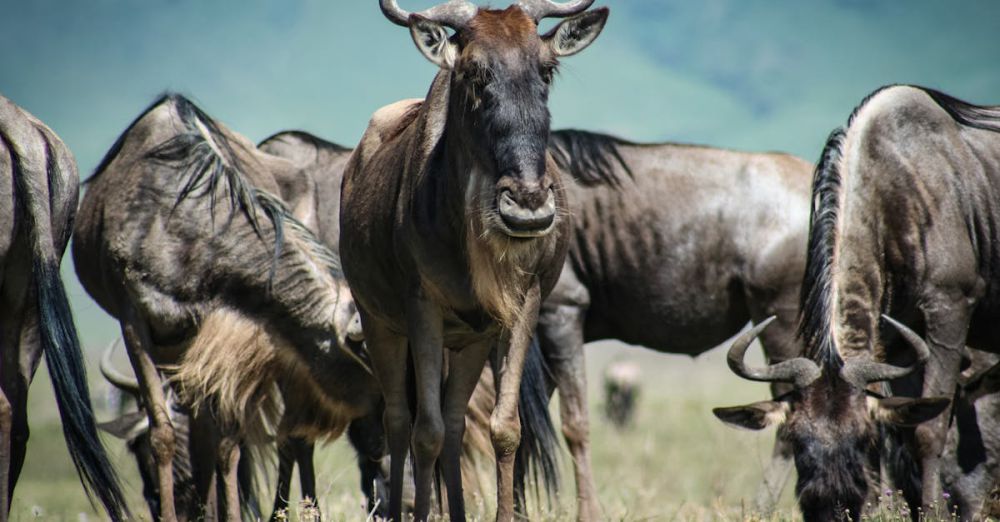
(676, 463)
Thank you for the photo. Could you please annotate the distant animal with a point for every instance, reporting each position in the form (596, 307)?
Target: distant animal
(39, 188)
(621, 390)
(676, 248)
(454, 227)
(899, 272)
(186, 237)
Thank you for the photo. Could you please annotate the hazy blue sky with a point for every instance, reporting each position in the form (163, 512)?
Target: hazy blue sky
(747, 74)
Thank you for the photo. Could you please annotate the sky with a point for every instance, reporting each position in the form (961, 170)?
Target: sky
(745, 74)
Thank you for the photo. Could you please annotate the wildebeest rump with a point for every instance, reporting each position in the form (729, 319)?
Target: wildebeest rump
(903, 226)
(674, 247)
(180, 238)
(39, 187)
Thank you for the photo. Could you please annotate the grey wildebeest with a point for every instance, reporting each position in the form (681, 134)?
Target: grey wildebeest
(675, 247)
(182, 238)
(902, 226)
(39, 189)
(454, 228)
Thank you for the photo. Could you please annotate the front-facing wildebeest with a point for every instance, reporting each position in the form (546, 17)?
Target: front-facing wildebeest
(181, 237)
(454, 227)
(675, 247)
(902, 226)
(39, 188)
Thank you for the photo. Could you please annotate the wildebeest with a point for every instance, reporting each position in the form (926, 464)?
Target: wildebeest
(181, 237)
(39, 188)
(454, 228)
(675, 247)
(902, 226)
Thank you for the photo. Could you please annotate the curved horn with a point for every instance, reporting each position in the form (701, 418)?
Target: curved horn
(800, 370)
(864, 371)
(538, 9)
(453, 13)
(116, 378)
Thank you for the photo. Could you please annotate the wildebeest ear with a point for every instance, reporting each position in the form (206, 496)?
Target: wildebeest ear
(907, 411)
(756, 416)
(432, 40)
(127, 427)
(574, 34)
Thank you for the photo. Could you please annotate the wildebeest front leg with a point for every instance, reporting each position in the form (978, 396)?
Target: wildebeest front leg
(229, 459)
(286, 463)
(368, 438)
(425, 327)
(505, 426)
(560, 329)
(307, 473)
(464, 370)
(947, 322)
(161, 432)
(389, 362)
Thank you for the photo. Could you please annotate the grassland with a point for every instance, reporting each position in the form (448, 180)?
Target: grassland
(677, 462)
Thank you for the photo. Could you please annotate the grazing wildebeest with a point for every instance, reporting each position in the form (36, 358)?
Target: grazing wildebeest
(454, 227)
(621, 390)
(39, 188)
(675, 247)
(182, 238)
(132, 426)
(903, 226)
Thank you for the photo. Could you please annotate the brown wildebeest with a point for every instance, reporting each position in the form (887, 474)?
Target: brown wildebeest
(903, 225)
(454, 228)
(39, 188)
(675, 247)
(181, 239)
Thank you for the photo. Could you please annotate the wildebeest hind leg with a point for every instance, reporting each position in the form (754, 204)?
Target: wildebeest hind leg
(560, 332)
(138, 341)
(464, 369)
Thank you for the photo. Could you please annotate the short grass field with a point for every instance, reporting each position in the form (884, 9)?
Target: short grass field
(676, 463)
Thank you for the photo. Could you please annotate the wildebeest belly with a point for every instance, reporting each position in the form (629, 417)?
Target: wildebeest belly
(677, 311)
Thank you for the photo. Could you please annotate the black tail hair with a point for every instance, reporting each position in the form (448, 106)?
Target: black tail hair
(978, 116)
(63, 355)
(589, 157)
(537, 456)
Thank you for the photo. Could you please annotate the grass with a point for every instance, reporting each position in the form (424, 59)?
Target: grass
(676, 463)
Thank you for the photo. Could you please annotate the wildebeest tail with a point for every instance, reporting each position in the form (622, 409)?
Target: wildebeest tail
(58, 336)
(537, 455)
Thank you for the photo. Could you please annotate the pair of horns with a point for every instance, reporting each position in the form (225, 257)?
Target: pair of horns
(802, 371)
(457, 13)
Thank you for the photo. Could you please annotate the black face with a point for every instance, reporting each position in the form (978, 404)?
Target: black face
(835, 446)
(504, 93)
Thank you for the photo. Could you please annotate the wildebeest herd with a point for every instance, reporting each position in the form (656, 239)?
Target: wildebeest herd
(274, 296)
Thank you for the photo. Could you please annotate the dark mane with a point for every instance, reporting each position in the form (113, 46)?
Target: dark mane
(815, 300)
(591, 158)
(979, 116)
(311, 139)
